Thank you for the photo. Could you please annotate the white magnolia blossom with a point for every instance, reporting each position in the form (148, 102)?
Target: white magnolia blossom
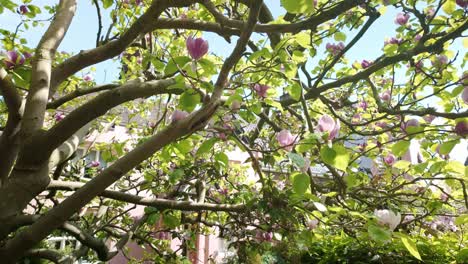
(388, 218)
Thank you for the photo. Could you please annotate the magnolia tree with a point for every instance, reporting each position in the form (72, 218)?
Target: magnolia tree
(352, 158)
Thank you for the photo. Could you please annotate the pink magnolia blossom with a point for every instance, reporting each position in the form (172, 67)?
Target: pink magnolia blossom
(327, 124)
(417, 37)
(27, 55)
(464, 95)
(312, 224)
(444, 197)
(462, 3)
(23, 9)
(409, 123)
(95, 163)
(386, 96)
(286, 139)
(59, 117)
(261, 90)
(390, 159)
(401, 19)
(430, 13)
(381, 124)
(335, 49)
(366, 64)
(88, 78)
(439, 60)
(429, 118)
(392, 40)
(222, 136)
(178, 115)
(461, 128)
(363, 104)
(13, 59)
(388, 218)
(197, 48)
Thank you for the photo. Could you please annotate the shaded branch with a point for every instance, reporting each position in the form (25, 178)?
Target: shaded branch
(150, 201)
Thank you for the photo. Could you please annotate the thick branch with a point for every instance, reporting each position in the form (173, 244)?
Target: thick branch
(41, 68)
(115, 47)
(99, 106)
(77, 93)
(150, 201)
(80, 235)
(9, 138)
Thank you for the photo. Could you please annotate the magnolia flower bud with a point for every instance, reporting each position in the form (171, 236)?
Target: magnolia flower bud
(59, 117)
(409, 123)
(461, 128)
(388, 218)
(401, 19)
(95, 163)
(23, 9)
(386, 96)
(88, 78)
(286, 140)
(429, 118)
(197, 48)
(439, 61)
(462, 3)
(261, 90)
(390, 159)
(178, 115)
(312, 224)
(464, 95)
(13, 59)
(327, 124)
(365, 64)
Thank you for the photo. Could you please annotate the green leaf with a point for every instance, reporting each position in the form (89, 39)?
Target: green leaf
(298, 6)
(184, 146)
(222, 159)
(294, 91)
(379, 234)
(462, 256)
(401, 164)
(411, 246)
(390, 49)
(449, 7)
(107, 3)
(461, 220)
(300, 182)
(174, 65)
(340, 36)
(171, 221)
(337, 156)
(303, 39)
(208, 66)
(176, 175)
(206, 146)
(189, 100)
(446, 147)
(297, 159)
(400, 148)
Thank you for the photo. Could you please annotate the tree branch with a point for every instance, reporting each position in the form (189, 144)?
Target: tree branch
(149, 201)
(9, 144)
(38, 94)
(77, 93)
